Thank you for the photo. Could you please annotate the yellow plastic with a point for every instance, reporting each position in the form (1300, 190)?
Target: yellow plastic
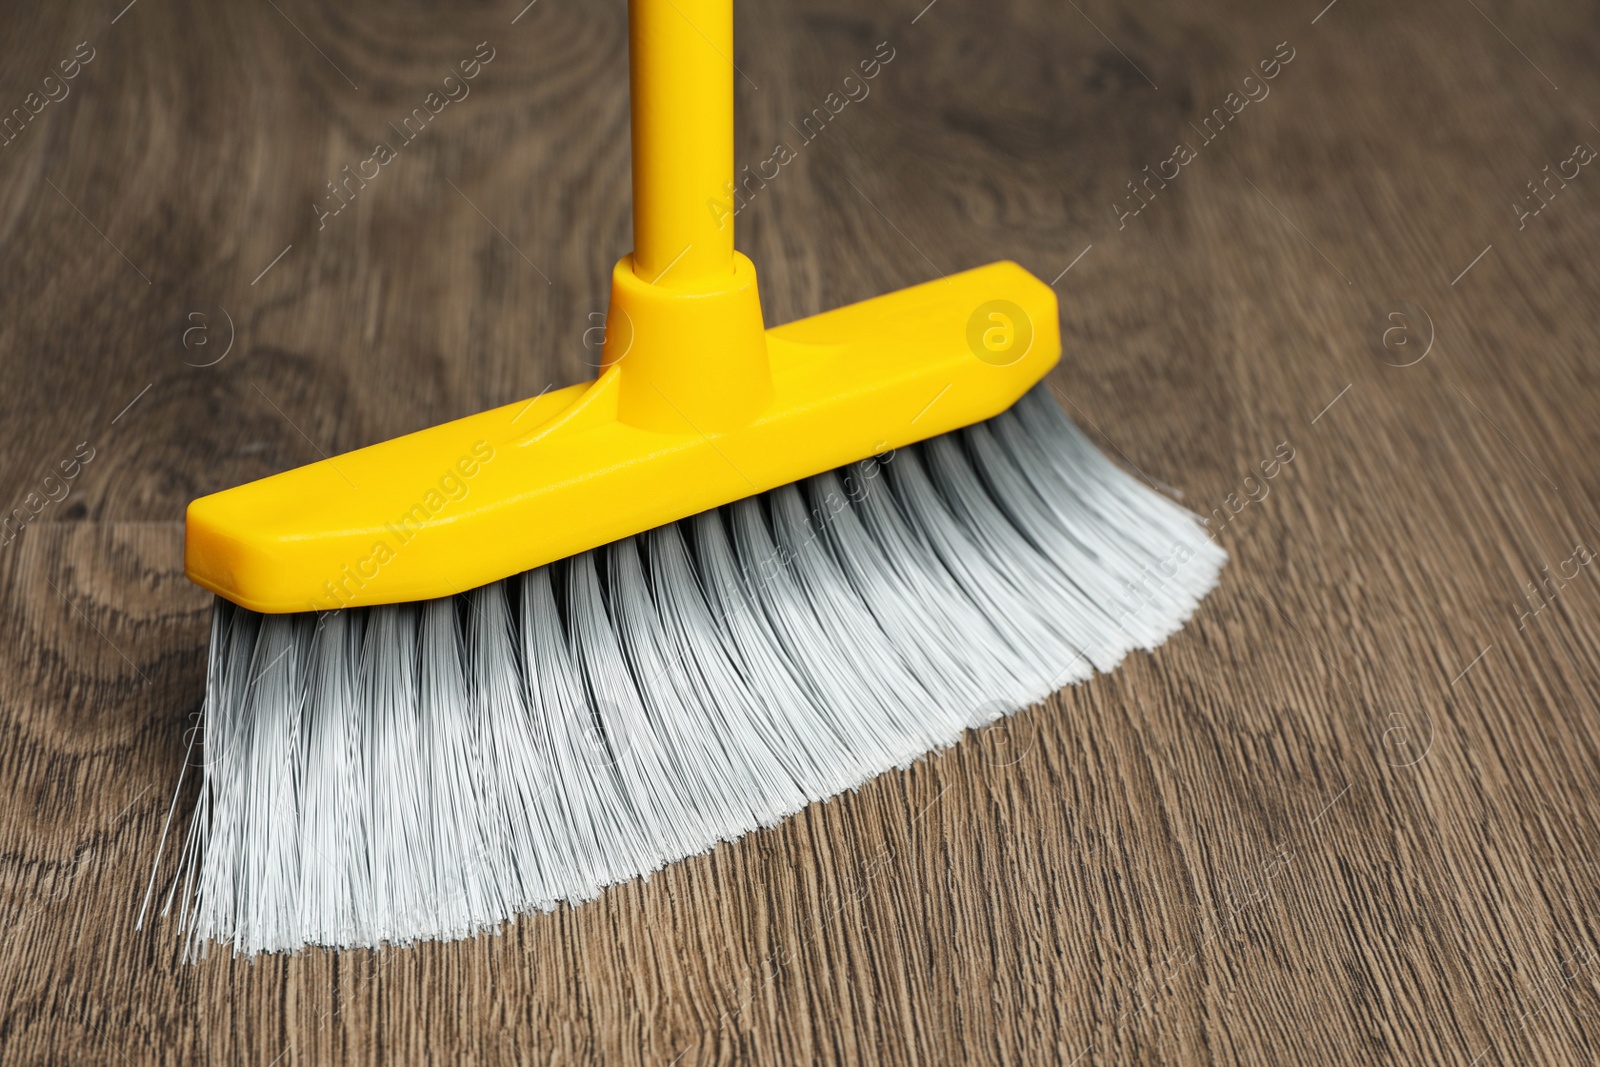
(691, 356)
(697, 404)
(680, 66)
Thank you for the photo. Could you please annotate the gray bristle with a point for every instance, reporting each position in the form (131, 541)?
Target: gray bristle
(423, 771)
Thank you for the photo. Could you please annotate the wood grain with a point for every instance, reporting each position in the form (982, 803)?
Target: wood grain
(1349, 815)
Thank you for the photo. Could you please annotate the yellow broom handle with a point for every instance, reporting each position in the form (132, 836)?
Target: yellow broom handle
(680, 65)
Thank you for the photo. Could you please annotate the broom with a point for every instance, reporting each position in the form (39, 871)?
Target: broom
(498, 665)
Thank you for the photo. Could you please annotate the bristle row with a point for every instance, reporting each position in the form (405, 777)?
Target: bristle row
(431, 770)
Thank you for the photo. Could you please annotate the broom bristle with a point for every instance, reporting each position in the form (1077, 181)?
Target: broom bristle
(419, 771)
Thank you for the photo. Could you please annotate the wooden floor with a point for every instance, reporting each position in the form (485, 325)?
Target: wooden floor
(1349, 815)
